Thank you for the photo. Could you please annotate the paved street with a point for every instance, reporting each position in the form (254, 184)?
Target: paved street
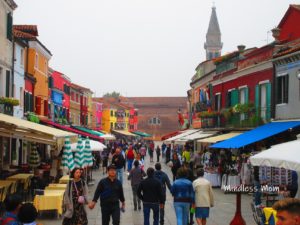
(221, 214)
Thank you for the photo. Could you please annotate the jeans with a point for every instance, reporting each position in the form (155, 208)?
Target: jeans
(120, 175)
(182, 212)
(129, 164)
(136, 200)
(113, 211)
(155, 209)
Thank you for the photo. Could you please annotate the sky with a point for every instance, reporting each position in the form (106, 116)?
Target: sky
(143, 48)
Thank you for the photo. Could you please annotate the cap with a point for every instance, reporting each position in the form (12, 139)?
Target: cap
(111, 166)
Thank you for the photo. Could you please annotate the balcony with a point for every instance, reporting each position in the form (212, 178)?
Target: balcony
(7, 105)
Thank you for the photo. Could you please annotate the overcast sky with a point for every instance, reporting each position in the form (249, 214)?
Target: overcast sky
(143, 47)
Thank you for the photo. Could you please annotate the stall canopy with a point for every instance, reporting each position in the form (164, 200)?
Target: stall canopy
(285, 155)
(142, 134)
(124, 132)
(17, 128)
(70, 129)
(194, 136)
(181, 135)
(93, 132)
(218, 138)
(172, 134)
(257, 134)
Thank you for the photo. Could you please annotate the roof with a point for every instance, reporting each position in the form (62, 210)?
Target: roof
(291, 7)
(288, 48)
(11, 4)
(213, 27)
(29, 29)
(81, 88)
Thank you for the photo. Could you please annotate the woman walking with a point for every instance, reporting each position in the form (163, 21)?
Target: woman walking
(75, 198)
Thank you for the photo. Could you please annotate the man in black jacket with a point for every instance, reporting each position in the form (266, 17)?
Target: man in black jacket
(110, 191)
(119, 161)
(150, 192)
(165, 182)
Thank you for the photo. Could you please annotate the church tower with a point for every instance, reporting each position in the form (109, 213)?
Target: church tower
(213, 44)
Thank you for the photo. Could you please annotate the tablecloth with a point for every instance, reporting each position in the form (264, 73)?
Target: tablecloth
(214, 179)
(56, 187)
(51, 200)
(64, 179)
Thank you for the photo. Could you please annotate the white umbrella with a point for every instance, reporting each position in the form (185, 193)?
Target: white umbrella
(95, 146)
(285, 155)
(88, 158)
(79, 154)
(67, 156)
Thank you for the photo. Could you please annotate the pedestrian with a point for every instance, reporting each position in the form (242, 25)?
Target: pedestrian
(136, 176)
(204, 198)
(151, 151)
(183, 193)
(190, 176)
(104, 157)
(150, 192)
(37, 182)
(110, 191)
(143, 151)
(28, 214)
(119, 161)
(168, 153)
(12, 205)
(140, 160)
(165, 182)
(130, 154)
(176, 164)
(197, 160)
(288, 211)
(75, 198)
(157, 150)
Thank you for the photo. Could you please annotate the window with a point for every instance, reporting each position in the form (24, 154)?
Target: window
(228, 99)
(21, 96)
(9, 24)
(217, 102)
(154, 121)
(282, 89)
(22, 57)
(72, 96)
(111, 113)
(36, 62)
(7, 93)
(77, 98)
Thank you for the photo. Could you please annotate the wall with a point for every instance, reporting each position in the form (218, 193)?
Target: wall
(289, 24)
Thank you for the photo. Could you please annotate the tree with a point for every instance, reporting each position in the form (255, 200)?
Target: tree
(112, 95)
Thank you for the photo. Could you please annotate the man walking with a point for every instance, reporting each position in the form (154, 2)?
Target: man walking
(110, 191)
(203, 197)
(157, 150)
(136, 176)
(119, 161)
(150, 192)
(165, 181)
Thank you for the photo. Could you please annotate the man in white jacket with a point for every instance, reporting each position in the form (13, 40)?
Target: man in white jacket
(203, 197)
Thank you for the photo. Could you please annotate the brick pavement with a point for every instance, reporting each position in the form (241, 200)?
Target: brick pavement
(221, 214)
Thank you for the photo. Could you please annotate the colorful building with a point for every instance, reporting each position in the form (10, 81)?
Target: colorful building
(76, 95)
(97, 115)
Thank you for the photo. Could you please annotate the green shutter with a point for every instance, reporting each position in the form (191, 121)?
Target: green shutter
(286, 89)
(246, 95)
(234, 97)
(7, 84)
(9, 23)
(257, 97)
(268, 103)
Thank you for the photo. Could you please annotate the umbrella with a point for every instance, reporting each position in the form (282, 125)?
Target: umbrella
(34, 158)
(95, 146)
(88, 158)
(285, 155)
(79, 154)
(67, 156)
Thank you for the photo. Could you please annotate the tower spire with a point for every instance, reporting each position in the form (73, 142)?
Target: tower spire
(213, 44)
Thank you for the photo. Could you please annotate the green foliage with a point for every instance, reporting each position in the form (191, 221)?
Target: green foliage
(112, 95)
(243, 108)
(207, 114)
(33, 118)
(9, 101)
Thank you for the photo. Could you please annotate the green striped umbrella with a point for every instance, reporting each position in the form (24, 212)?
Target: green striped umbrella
(79, 154)
(67, 156)
(88, 158)
(34, 158)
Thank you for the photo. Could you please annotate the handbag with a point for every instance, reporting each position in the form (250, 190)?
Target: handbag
(80, 198)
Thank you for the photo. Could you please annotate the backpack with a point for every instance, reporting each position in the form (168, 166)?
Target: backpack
(4, 221)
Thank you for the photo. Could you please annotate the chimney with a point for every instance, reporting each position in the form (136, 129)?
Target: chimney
(241, 48)
(276, 33)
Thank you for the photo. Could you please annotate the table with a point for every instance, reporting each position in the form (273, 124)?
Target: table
(51, 200)
(56, 187)
(22, 178)
(65, 179)
(269, 216)
(7, 184)
(214, 179)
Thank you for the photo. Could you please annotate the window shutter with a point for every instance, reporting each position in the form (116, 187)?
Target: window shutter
(7, 83)
(246, 95)
(257, 97)
(268, 103)
(234, 97)
(9, 26)
(286, 89)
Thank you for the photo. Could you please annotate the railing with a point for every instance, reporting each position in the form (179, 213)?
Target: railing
(7, 109)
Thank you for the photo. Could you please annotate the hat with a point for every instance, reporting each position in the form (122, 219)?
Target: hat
(111, 166)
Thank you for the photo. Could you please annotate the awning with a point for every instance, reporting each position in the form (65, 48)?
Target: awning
(218, 138)
(95, 146)
(93, 132)
(17, 128)
(124, 132)
(182, 134)
(172, 134)
(257, 134)
(62, 127)
(142, 134)
(194, 136)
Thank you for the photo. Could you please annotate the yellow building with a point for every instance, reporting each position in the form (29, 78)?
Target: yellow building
(109, 118)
